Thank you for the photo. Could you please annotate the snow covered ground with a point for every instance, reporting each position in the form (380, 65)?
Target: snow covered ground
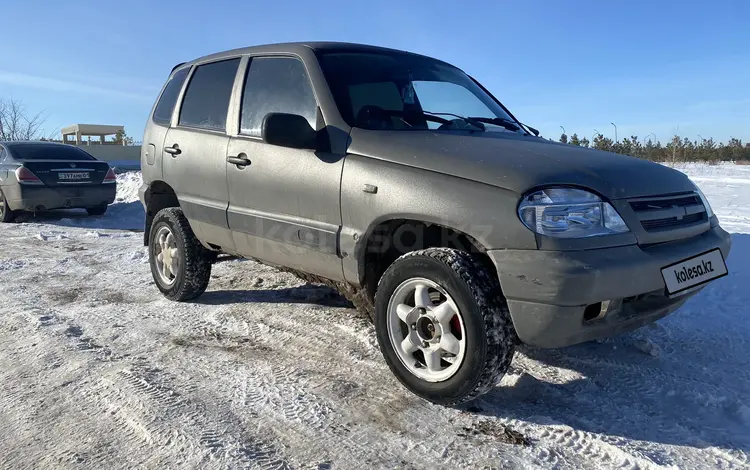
(98, 370)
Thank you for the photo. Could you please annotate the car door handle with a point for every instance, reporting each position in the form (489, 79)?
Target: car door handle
(240, 160)
(173, 150)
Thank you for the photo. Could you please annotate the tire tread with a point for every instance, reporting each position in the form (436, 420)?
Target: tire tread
(486, 292)
(197, 259)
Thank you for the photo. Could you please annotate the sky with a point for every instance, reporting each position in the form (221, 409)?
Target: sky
(651, 68)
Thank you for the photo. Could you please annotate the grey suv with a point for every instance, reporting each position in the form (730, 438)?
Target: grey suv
(401, 181)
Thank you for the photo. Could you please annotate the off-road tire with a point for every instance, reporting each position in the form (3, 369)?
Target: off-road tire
(97, 210)
(6, 215)
(195, 271)
(490, 334)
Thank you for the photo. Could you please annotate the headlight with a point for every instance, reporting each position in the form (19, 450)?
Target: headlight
(569, 213)
(704, 200)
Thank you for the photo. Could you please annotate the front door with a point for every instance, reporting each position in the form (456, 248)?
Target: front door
(194, 161)
(284, 204)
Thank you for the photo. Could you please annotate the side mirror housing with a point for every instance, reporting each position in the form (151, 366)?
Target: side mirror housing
(289, 130)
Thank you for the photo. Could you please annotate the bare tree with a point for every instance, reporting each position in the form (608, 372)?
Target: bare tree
(17, 124)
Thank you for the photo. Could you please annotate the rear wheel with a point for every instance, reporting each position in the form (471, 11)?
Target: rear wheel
(6, 215)
(443, 326)
(180, 265)
(98, 210)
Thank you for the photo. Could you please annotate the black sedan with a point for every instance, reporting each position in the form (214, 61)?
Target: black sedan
(38, 176)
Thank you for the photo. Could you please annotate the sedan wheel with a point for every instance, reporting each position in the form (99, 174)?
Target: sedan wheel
(6, 215)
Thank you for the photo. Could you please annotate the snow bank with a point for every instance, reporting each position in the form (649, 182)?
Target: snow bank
(127, 186)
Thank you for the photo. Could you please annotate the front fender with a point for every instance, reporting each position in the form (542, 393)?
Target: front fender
(374, 191)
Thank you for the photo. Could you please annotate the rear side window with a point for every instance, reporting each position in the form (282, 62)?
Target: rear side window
(276, 85)
(207, 97)
(165, 106)
(26, 152)
(2, 154)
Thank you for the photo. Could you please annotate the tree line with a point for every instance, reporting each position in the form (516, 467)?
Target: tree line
(679, 149)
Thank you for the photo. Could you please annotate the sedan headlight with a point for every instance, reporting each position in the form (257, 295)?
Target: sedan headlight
(569, 213)
(704, 200)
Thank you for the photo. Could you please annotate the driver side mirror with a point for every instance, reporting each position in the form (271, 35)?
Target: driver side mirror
(289, 130)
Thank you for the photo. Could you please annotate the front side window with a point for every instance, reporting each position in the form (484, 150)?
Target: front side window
(165, 106)
(398, 91)
(206, 101)
(276, 85)
(3, 155)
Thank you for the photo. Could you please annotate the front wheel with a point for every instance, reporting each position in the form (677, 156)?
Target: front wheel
(443, 326)
(180, 265)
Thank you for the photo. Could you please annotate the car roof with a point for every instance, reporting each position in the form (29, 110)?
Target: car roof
(298, 47)
(15, 143)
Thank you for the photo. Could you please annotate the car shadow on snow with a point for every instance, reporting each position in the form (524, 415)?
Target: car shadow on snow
(682, 381)
(305, 294)
(121, 216)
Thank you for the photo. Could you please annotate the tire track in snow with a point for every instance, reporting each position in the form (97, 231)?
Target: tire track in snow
(150, 383)
(609, 403)
(656, 385)
(286, 392)
(282, 393)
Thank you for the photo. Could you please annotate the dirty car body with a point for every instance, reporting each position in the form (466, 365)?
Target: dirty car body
(379, 153)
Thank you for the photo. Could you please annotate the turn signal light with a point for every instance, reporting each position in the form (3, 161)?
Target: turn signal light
(25, 176)
(110, 176)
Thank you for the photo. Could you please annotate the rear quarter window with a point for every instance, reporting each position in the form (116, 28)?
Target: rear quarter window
(28, 152)
(165, 106)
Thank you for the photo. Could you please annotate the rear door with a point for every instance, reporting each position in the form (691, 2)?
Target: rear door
(156, 130)
(195, 150)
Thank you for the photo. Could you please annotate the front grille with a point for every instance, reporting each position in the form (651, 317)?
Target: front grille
(680, 201)
(669, 212)
(657, 224)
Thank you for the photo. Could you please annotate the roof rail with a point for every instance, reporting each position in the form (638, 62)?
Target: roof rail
(176, 66)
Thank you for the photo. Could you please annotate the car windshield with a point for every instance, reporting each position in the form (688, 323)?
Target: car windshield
(399, 91)
(26, 152)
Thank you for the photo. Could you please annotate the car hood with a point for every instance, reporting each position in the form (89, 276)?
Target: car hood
(519, 163)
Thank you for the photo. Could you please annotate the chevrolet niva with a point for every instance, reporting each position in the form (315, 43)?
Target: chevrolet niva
(404, 183)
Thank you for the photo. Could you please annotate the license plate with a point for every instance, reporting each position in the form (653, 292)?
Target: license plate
(694, 271)
(79, 175)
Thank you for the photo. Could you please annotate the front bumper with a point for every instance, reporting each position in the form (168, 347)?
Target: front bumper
(38, 198)
(548, 291)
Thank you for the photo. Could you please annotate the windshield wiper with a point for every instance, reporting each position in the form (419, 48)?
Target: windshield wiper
(498, 121)
(473, 121)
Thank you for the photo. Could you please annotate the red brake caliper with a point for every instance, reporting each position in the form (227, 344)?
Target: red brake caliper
(456, 327)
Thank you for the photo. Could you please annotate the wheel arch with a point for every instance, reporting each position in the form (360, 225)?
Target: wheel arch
(159, 195)
(390, 237)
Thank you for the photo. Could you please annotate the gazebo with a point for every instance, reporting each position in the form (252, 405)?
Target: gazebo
(88, 130)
